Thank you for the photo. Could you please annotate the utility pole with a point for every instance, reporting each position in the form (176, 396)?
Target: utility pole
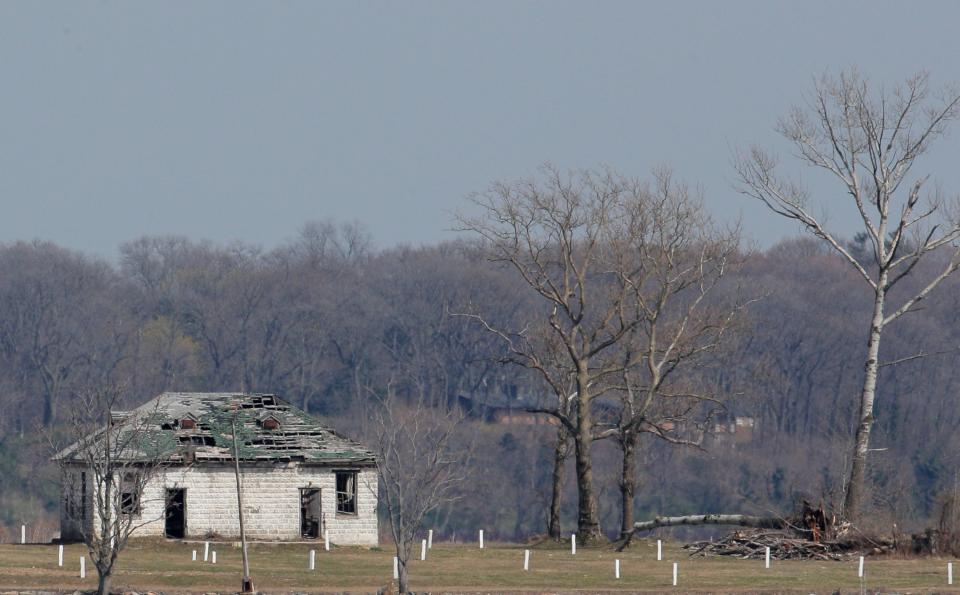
(247, 584)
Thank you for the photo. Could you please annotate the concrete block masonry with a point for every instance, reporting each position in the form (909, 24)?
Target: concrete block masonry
(271, 503)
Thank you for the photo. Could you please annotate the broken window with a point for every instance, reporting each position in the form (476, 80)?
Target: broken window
(130, 495)
(347, 492)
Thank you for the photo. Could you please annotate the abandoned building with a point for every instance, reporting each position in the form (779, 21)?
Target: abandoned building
(300, 479)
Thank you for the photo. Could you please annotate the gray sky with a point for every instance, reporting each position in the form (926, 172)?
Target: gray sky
(238, 120)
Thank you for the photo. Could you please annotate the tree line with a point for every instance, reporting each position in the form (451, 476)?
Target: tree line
(209, 320)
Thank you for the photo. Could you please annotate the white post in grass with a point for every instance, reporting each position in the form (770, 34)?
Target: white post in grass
(767, 560)
(194, 555)
(860, 570)
(206, 551)
(396, 568)
(573, 544)
(674, 574)
(213, 557)
(659, 550)
(423, 550)
(60, 555)
(23, 534)
(326, 539)
(616, 568)
(83, 567)
(430, 539)
(949, 573)
(526, 559)
(313, 559)
(481, 538)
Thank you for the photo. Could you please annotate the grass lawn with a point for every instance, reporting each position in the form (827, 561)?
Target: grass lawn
(167, 566)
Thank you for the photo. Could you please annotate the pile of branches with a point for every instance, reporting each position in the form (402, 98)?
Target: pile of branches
(812, 533)
(783, 546)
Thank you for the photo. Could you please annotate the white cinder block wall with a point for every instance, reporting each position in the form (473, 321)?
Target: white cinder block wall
(271, 499)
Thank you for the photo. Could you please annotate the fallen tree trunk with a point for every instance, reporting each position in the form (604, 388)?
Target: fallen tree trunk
(809, 523)
(742, 520)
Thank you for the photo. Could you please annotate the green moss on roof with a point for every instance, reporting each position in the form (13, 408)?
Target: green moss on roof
(300, 436)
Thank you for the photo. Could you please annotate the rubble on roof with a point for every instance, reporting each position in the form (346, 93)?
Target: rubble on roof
(298, 437)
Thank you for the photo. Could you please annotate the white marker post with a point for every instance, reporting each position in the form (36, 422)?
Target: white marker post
(60, 555)
(194, 555)
(616, 568)
(860, 570)
(481, 538)
(206, 551)
(326, 539)
(23, 534)
(423, 550)
(659, 550)
(949, 573)
(213, 557)
(313, 559)
(767, 561)
(526, 559)
(573, 544)
(396, 568)
(430, 539)
(674, 574)
(83, 567)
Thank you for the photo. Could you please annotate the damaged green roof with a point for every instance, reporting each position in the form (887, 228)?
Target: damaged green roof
(296, 437)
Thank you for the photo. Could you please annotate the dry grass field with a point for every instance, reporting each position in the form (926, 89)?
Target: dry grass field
(167, 566)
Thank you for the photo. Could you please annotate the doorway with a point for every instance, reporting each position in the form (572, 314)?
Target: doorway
(175, 512)
(310, 513)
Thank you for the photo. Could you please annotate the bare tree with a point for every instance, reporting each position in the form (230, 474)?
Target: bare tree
(869, 139)
(421, 464)
(578, 242)
(684, 257)
(114, 455)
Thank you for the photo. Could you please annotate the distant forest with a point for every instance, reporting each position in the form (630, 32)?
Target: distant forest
(327, 320)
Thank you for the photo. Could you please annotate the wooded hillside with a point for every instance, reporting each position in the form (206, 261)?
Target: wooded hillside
(323, 319)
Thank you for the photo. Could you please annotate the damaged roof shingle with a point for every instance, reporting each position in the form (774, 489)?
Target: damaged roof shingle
(298, 437)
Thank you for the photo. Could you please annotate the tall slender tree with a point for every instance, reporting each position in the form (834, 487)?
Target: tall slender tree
(869, 139)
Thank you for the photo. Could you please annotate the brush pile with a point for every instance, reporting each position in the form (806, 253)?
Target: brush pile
(811, 534)
(783, 546)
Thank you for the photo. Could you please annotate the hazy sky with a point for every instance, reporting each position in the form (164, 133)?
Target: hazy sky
(239, 120)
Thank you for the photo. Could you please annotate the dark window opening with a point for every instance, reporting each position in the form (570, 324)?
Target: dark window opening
(175, 514)
(130, 495)
(83, 495)
(347, 492)
(129, 503)
(310, 517)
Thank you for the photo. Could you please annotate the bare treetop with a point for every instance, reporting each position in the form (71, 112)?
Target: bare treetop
(868, 138)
